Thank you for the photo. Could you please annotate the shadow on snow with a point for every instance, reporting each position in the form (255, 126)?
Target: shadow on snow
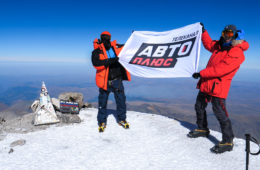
(185, 124)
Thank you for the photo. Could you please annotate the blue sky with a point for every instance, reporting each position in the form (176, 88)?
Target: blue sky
(63, 31)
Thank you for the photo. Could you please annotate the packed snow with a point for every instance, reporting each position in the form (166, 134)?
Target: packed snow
(152, 142)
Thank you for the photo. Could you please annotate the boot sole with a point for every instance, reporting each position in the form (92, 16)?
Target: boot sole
(190, 136)
(219, 152)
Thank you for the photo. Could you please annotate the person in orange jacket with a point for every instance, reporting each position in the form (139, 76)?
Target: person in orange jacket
(215, 80)
(109, 76)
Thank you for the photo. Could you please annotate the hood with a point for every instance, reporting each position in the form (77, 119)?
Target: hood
(241, 44)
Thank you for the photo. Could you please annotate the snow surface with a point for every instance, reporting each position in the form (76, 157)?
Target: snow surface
(152, 142)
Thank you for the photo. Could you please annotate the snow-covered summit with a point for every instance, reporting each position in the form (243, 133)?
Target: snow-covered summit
(152, 142)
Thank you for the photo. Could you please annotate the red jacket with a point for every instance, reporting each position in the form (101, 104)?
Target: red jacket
(222, 66)
(102, 71)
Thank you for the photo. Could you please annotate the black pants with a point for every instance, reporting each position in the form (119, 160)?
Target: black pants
(117, 88)
(219, 109)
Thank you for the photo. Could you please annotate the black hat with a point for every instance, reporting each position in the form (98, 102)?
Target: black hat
(231, 27)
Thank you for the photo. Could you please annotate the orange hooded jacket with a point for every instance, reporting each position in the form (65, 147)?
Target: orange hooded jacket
(102, 71)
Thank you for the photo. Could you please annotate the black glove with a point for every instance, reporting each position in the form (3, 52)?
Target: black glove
(120, 45)
(196, 75)
(203, 28)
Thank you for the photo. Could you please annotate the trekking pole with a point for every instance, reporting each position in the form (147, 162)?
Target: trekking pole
(247, 149)
(252, 139)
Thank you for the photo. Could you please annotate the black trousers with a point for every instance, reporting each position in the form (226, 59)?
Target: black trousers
(117, 88)
(219, 109)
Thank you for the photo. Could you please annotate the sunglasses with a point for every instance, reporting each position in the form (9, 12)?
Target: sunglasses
(106, 37)
(227, 33)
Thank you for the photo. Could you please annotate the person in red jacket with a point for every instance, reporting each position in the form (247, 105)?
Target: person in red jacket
(109, 76)
(215, 80)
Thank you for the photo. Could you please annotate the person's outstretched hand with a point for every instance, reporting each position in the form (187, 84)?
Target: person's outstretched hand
(203, 28)
(196, 75)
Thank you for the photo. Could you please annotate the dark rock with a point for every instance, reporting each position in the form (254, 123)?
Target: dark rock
(68, 118)
(87, 105)
(22, 125)
(2, 120)
(20, 142)
(72, 97)
(11, 150)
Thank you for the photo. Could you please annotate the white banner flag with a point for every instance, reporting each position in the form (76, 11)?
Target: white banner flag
(172, 53)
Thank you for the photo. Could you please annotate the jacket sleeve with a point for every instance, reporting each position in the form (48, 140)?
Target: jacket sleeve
(233, 60)
(208, 43)
(101, 64)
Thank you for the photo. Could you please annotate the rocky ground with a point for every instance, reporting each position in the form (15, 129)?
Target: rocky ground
(24, 124)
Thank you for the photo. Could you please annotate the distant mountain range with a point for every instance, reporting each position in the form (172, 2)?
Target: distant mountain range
(14, 94)
(173, 98)
(17, 109)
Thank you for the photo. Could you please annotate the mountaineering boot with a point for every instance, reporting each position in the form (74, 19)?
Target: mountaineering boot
(222, 147)
(198, 133)
(124, 124)
(101, 127)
